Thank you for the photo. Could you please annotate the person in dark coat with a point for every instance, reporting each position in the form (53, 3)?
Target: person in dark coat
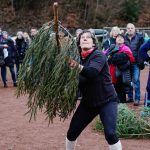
(119, 60)
(143, 50)
(98, 94)
(134, 41)
(21, 46)
(112, 40)
(9, 60)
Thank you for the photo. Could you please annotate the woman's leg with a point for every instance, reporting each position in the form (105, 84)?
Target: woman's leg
(119, 87)
(108, 116)
(3, 75)
(82, 117)
(13, 76)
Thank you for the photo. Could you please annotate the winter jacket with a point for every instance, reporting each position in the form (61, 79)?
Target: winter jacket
(121, 60)
(106, 45)
(21, 47)
(10, 60)
(134, 44)
(95, 81)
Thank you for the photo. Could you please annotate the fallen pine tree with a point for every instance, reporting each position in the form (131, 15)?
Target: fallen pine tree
(129, 125)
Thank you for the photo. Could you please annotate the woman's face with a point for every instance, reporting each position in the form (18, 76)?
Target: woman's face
(114, 33)
(119, 40)
(5, 36)
(86, 41)
(19, 36)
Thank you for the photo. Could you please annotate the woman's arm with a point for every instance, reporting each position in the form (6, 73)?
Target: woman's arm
(95, 66)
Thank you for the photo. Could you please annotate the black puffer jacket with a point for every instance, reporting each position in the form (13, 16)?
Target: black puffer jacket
(21, 47)
(121, 60)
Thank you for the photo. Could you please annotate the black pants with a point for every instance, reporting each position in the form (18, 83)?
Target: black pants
(119, 87)
(84, 115)
(4, 73)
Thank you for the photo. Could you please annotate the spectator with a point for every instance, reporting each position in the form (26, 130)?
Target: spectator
(144, 49)
(21, 47)
(112, 40)
(33, 33)
(119, 59)
(27, 38)
(9, 60)
(78, 31)
(134, 40)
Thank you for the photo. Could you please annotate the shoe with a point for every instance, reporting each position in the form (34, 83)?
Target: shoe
(129, 100)
(15, 84)
(136, 103)
(5, 86)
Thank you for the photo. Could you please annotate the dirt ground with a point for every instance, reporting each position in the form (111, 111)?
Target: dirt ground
(16, 133)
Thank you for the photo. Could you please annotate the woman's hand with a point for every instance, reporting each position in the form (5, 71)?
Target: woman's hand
(74, 64)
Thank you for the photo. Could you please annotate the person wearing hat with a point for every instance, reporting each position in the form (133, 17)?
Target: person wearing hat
(119, 59)
(98, 94)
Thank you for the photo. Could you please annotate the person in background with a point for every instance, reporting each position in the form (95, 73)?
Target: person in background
(33, 33)
(27, 38)
(122, 32)
(144, 53)
(134, 40)
(9, 60)
(98, 94)
(21, 46)
(78, 31)
(119, 60)
(0, 34)
(112, 40)
(92, 31)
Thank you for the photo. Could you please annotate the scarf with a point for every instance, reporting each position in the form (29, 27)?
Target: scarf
(84, 54)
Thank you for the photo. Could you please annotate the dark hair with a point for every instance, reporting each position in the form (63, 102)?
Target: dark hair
(86, 31)
(121, 36)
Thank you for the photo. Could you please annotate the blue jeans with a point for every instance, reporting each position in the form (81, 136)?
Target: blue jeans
(135, 74)
(84, 115)
(4, 72)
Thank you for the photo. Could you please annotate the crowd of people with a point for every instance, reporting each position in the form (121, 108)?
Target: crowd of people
(12, 52)
(126, 59)
(107, 75)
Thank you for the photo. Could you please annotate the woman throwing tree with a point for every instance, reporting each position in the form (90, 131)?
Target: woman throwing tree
(98, 94)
